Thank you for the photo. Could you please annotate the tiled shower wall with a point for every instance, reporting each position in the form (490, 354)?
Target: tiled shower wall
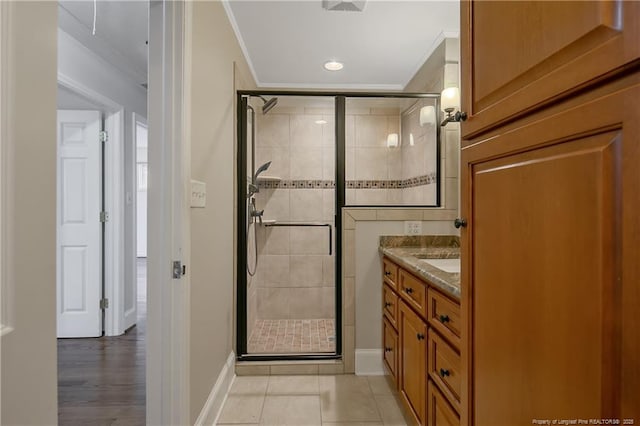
(296, 274)
(379, 175)
(419, 156)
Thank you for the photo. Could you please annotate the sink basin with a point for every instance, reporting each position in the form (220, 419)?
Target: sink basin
(451, 266)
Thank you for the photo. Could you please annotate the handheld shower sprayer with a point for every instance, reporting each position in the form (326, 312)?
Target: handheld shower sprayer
(253, 186)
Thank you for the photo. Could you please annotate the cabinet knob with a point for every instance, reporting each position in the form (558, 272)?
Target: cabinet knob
(444, 318)
(387, 273)
(420, 336)
(444, 373)
(408, 290)
(460, 223)
(387, 304)
(388, 349)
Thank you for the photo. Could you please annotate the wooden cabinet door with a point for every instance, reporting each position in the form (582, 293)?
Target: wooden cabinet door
(521, 55)
(552, 286)
(413, 363)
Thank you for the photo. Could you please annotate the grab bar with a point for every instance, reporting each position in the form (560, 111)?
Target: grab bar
(308, 224)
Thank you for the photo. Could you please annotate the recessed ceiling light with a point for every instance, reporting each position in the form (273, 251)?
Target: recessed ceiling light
(321, 121)
(333, 66)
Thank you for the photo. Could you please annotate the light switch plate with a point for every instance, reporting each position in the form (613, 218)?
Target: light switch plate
(198, 194)
(412, 227)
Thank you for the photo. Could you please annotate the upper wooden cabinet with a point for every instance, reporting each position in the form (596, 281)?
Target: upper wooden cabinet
(519, 56)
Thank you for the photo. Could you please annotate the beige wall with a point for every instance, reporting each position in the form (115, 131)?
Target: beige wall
(28, 371)
(214, 51)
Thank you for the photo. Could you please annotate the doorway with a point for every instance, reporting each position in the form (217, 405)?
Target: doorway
(105, 72)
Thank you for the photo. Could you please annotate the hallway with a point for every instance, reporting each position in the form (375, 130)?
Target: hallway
(102, 381)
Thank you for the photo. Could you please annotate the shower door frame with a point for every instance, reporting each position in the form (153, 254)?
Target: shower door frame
(340, 191)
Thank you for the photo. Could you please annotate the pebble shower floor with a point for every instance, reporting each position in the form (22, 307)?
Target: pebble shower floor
(292, 336)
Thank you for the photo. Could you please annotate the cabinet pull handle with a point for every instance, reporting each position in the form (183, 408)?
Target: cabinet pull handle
(460, 223)
(420, 336)
(444, 318)
(387, 273)
(388, 349)
(408, 290)
(444, 373)
(387, 304)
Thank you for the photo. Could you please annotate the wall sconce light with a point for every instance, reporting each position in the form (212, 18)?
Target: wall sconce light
(393, 140)
(450, 101)
(427, 115)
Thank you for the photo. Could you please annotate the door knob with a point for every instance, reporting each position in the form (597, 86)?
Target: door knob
(420, 336)
(444, 372)
(460, 223)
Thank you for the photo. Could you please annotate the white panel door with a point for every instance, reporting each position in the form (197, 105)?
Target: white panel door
(79, 248)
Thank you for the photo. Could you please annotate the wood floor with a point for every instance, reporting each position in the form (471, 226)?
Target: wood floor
(102, 381)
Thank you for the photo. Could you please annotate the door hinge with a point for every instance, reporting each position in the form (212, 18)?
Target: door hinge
(104, 136)
(104, 303)
(104, 217)
(179, 269)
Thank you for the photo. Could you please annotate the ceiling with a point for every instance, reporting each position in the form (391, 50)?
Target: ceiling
(121, 32)
(287, 42)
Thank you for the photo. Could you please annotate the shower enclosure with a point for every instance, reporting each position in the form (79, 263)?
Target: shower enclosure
(294, 149)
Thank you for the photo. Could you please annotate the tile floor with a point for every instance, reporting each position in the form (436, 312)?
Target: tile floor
(311, 400)
(292, 336)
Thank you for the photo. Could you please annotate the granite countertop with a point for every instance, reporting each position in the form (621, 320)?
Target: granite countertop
(403, 250)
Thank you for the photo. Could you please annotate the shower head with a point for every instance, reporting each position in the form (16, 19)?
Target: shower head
(268, 104)
(261, 169)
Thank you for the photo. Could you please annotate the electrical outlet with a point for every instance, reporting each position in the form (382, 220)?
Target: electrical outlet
(412, 227)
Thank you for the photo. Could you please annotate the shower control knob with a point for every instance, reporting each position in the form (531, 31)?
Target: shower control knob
(460, 223)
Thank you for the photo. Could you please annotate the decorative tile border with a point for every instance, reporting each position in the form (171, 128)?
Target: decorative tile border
(297, 184)
(351, 184)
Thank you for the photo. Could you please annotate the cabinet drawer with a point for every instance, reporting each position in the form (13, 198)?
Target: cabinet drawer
(439, 411)
(413, 291)
(444, 366)
(444, 316)
(390, 272)
(390, 305)
(390, 348)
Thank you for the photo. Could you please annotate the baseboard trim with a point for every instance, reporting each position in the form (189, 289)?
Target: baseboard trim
(215, 401)
(369, 362)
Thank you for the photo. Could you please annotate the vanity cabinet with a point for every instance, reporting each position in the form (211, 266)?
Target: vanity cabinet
(421, 336)
(550, 193)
